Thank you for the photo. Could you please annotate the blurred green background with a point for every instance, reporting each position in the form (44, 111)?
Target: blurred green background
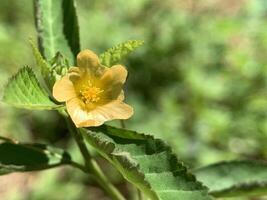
(199, 82)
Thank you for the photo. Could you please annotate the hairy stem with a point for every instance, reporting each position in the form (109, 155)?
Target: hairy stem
(92, 167)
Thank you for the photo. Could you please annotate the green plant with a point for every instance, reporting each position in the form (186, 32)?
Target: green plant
(147, 162)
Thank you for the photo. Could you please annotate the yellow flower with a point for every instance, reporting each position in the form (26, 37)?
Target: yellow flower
(93, 93)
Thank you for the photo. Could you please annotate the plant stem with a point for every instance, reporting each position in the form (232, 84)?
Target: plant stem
(122, 124)
(92, 166)
(79, 166)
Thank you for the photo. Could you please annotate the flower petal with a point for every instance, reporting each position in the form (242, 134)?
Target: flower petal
(78, 114)
(121, 96)
(75, 70)
(89, 61)
(114, 110)
(63, 89)
(113, 80)
(83, 118)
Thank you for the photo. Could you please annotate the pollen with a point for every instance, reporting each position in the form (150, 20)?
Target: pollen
(90, 94)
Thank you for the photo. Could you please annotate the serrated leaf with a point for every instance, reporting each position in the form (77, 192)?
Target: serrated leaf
(235, 178)
(30, 157)
(53, 70)
(146, 162)
(24, 91)
(57, 27)
(115, 54)
(40, 61)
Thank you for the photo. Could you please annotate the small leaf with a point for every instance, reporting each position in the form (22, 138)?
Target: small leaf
(30, 157)
(24, 91)
(235, 178)
(40, 61)
(146, 162)
(57, 28)
(44, 66)
(53, 70)
(60, 67)
(115, 54)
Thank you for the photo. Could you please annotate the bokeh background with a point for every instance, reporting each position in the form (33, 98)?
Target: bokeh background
(199, 82)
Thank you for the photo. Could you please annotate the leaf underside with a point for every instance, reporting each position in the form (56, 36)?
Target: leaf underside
(115, 54)
(24, 91)
(29, 157)
(146, 162)
(235, 178)
(57, 27)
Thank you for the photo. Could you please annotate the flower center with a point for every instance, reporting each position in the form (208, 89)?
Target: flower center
(90, 94)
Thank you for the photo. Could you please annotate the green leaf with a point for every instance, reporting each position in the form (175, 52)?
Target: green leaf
(235, 178)
(115, 54)
(53, 70)
(60, 66)
(24, 91)
(146, 162)
(57, 28)
(30, 157)
(71, 26)
(40, 61)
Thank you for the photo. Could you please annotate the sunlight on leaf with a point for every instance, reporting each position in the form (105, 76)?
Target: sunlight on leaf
(24, 91)
(115, 54)
(146, 162)
(57, 28)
